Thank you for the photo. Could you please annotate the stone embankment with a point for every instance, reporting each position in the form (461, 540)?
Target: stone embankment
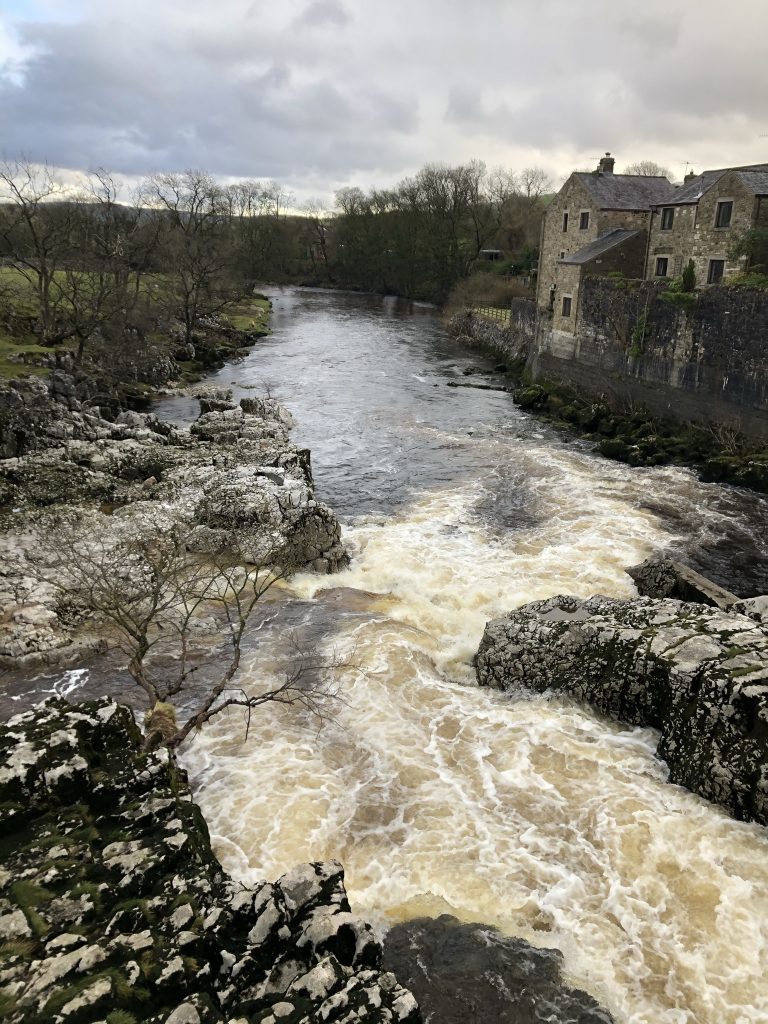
(114, 909)
(625, 426)
(231, 483)
(695, 672)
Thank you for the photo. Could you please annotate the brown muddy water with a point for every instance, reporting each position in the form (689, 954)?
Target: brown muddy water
(525, 813)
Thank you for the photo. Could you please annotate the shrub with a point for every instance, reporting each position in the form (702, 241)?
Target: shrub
(688, 278)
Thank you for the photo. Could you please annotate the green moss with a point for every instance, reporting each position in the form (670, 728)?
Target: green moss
(683, 300)
(62, 996)
(120, 1017)
(8, 1004)
(17, 947)
(28, 897)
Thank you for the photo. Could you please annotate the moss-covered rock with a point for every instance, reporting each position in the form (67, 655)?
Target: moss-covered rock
(697, 673)
(113, 905)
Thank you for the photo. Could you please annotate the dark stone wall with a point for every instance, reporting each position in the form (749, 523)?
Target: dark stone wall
(703, 360)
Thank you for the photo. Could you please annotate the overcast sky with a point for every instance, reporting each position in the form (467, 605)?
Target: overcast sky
(323, 93)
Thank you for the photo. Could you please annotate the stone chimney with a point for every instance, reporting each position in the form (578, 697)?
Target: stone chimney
(606, 164)
(689, 177)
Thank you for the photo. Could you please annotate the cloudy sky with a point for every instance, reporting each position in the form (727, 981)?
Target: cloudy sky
(323, 93)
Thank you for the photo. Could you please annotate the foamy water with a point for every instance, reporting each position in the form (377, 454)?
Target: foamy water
(524, 813)
(437, 796)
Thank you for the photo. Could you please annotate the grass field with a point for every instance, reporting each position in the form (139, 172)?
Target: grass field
(21, 354)
(14, 350)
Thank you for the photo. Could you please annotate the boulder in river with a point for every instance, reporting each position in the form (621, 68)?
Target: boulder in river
(664, 577)
(471, 972)
(696, 673)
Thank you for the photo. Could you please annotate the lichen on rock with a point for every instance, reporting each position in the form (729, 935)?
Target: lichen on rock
(113, 903)
(696, 673)
(232, 484)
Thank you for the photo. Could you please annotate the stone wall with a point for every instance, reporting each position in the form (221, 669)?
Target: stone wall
(704, 361)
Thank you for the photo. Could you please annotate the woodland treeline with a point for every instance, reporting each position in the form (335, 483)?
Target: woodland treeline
(91, 266)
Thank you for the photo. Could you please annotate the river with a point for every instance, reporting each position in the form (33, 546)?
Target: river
(529, 814)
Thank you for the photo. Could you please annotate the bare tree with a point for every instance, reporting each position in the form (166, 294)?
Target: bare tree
(534, 182)
(151, 593)
(194, 221)
(317, 221)
(79, 254)
(35, 234)
(648, 169)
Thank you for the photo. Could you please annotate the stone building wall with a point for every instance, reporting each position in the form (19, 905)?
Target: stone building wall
(694, 234)
(711, 242)
(555, 242)
(674, 244)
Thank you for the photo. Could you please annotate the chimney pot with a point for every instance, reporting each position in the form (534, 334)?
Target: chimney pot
(689, 177)
(606, 164)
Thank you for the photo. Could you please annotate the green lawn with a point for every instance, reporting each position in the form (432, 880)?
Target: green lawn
(14, 349)
(250, 314)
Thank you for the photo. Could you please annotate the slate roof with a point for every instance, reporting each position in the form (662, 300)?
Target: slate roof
(625, 191)
(754, 177)
(756, 180)
(600, 245)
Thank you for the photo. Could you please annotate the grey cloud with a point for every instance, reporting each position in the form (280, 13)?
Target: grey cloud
(305, 92)
(323, 13)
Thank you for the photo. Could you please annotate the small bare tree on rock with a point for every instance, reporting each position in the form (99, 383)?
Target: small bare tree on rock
(152, 595)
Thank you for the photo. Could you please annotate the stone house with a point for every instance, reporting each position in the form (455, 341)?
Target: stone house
(703, 220)
(598, 223)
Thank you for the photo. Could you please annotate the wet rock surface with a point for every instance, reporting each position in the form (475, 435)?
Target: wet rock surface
(114, 908)
(664, 577)
(696, 673)
(471, 972)
(232, 483)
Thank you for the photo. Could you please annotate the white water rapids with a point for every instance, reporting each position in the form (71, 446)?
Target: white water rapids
(530, 814)
(524, 813)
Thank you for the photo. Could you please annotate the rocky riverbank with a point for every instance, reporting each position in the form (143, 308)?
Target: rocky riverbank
(697, 673)
(114, 909)
(232, 482)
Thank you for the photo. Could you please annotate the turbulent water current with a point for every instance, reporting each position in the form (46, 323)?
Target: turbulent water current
(529, 814)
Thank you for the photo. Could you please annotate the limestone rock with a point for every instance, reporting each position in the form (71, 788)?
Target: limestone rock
(233, 483)
(463, 972)
(114, 900)
(696, 673)
(664, 577)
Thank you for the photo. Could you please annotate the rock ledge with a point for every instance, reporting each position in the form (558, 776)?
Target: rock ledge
(114, 909)
(696, 673)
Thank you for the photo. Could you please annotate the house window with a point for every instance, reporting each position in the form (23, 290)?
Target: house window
(723, 215)
(583, 220)
(565, 221)
(667, 218)
(566, 305)
(715, 272)
(662, 265)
